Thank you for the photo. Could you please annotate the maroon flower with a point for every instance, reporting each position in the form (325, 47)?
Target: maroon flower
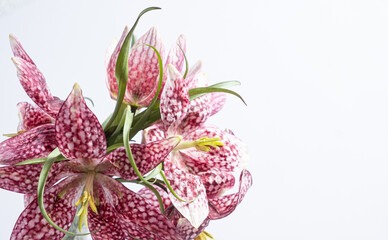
(36, 130)
(117, 212)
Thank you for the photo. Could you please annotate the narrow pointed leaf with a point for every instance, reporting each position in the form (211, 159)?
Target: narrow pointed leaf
(197, 92)
(127, 127)
(226, 84)
(186, 63)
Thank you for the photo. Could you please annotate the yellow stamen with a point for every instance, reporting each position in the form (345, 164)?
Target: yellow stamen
(203, 144)
(204, 236)
(86, 200)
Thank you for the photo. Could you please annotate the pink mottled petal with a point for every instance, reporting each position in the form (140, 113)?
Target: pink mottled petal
(199, 111)
(35, 143)
(35, 85)
(183, 226)
(32, 225)
(18, 50)
(146, 156)
(217, 102)
(151, 198)
(194, 78)
(174, 101)
(175, 56)
(140, 232)
(31, 116)
(229, 157)
(222, 207)
(55, 105)
(111, 81)
(141, 217)
(107, 219)
(28, 198)
(153, 133)
(187, 231)
(79, 134)
(216, 182)
(144, 69)
(108, 222)
(189, 188)
(24, 178)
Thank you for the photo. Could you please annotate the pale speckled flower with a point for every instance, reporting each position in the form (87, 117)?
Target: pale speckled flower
(143, 66)
(219, 207)
(202, 165)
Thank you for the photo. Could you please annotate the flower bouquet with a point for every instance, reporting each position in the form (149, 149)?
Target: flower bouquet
(72, 169)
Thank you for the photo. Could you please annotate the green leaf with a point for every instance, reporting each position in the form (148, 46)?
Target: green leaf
(197, 92)
(39, 160)
(32, 161)
(54, 155)
(226, 84)
(114, 146)
(133, 40)
(186, 63)
(127, 127)
(121, 71)
(154, 172)
(157, 194)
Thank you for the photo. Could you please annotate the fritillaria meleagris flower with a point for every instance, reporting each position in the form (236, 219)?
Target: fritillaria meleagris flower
(202, 165)
(143, 67)
(36, 130)
(219, 207)
(199, 162)
(106, 204)
(36, 122)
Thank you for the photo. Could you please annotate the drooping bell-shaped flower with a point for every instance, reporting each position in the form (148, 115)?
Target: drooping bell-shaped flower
(143, 69)
(202, 165)
(86, 180)
(143, 66)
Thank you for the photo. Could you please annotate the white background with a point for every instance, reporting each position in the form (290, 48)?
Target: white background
(314, 75)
